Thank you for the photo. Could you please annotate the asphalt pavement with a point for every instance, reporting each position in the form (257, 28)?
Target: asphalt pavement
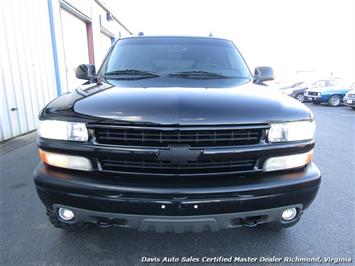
(326, 228)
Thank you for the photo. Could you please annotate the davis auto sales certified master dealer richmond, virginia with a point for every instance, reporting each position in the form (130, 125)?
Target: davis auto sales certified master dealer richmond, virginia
(231, 259)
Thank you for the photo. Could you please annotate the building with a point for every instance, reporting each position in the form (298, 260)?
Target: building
(42, 42)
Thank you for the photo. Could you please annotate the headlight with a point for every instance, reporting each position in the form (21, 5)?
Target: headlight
(287, 162)
(292, 131)
(65, 161)
(62, 130)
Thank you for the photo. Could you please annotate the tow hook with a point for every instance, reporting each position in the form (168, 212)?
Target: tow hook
(247, 222)
(103, 224)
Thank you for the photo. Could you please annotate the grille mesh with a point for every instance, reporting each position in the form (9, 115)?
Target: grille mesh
(164, 167)
(313, 93)
(163, 138)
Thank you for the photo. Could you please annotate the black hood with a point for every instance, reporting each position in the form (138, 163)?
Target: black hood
(243, 104)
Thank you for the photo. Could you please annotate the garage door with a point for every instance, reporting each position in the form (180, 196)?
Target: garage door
(27, 74)
(75, 43)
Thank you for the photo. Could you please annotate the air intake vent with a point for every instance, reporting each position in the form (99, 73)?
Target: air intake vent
(166, 168)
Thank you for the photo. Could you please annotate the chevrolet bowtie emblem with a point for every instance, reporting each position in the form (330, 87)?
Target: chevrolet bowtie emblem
(179, 154)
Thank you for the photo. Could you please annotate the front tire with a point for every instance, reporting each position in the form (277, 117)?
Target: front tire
(300, 97)
(334, 101)
(56, 222)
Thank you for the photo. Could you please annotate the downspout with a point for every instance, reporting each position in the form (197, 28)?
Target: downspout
(54, 47)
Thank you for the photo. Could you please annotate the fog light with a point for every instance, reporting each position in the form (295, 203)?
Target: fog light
(289, 214)
(65, 161)
(65, 214)
(288, 161)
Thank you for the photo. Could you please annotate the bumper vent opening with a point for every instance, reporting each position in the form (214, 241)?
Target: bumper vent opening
(158, 167)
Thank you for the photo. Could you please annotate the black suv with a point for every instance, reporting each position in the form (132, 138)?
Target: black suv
(173, 134)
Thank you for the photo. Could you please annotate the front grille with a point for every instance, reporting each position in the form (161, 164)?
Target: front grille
(163, 137)
(312, 93)
(177, 159)
(166, 168)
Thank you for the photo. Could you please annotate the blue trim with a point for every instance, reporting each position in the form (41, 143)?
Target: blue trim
(54, 47)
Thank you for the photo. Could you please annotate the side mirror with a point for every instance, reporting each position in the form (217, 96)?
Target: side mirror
(85, 71)
(262, 74)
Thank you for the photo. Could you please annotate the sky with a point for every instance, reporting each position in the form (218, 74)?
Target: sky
(308, 37)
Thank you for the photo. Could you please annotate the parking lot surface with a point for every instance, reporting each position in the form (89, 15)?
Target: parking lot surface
(326, 229)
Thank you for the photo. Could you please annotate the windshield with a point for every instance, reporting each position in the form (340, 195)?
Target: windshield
(174, 56)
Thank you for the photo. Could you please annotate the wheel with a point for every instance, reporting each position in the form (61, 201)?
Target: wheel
(56, 222)
(334, 101)
(300, 97)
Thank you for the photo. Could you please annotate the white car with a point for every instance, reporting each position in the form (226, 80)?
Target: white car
(349, 99)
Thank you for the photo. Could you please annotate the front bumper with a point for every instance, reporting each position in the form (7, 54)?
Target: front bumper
(193, 204)
(315, 98)
(182, 224)
(349, 102)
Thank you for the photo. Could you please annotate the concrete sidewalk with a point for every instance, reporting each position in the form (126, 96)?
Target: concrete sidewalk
(18, 142)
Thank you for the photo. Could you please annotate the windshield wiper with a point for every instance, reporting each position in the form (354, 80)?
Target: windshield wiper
(132, 73)
(198, 74)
